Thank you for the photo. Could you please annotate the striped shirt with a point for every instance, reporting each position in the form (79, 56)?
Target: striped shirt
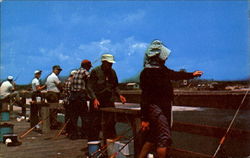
(79, 80)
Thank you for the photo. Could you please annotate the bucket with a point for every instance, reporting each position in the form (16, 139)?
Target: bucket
(5, 116)
(5, 128)
(93, 146)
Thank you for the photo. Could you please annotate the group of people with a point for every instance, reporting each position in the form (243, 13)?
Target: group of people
(100, 87)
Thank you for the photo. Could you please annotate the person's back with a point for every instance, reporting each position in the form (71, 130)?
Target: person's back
(52, 82)
(6, 89)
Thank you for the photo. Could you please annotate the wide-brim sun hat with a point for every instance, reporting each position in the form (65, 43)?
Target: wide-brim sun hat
(108, 57)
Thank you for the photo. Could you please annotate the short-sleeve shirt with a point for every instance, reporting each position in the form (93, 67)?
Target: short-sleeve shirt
(35, 82)
(5, 89)
(51, 83)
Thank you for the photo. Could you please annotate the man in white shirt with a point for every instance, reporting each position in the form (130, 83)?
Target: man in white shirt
(7, 89)
(54, 85)
(8, 93)
(36, 85)
(35, 110)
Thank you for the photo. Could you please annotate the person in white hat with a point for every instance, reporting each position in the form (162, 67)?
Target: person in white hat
(103, 88)
(7, 90)
(35, 83)
(35, 109)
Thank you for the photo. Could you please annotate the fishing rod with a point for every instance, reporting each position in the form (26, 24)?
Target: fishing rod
(60, 132)
(132, 138)
(105, 147)
(222, 140)
(32, 128)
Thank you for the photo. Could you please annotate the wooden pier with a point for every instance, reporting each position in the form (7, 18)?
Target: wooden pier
(185, 131)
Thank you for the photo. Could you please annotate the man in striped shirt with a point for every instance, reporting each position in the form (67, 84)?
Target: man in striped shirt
(78, 99)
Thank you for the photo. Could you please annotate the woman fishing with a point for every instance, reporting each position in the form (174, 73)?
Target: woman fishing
(157, 98)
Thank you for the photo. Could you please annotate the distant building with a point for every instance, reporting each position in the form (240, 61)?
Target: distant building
(133, 86)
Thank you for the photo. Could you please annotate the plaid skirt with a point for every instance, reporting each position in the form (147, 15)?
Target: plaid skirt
(159, 129)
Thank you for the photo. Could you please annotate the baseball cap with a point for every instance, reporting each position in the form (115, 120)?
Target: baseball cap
(10, 77)
(86, 62)
(72, 72)
(108, 57)
(57, 67)
(37, 71)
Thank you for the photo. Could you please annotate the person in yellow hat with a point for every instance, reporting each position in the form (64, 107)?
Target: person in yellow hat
(103, 88)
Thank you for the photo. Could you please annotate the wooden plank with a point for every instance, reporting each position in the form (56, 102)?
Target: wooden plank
(180, 153)
(212, 131)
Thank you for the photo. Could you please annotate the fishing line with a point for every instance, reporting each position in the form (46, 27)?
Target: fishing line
(230, 125)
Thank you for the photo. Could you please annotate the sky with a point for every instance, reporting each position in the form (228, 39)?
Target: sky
(209, 35)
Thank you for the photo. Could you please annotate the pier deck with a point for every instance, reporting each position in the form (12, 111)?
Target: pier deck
(41, 146)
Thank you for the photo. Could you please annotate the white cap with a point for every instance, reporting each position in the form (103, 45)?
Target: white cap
(10, 77)
(108, 57)
(37, 71)
(72, 72)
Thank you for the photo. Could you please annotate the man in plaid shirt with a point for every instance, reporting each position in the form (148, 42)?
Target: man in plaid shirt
(78, 99)
(66, 94)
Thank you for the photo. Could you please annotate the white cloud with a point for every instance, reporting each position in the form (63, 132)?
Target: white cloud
(134, 17)
(60, 52)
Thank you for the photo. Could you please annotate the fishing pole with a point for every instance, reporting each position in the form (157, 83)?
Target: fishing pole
(60, 132)
(105, 147)
(32, 128)
(222, 140)
(132, 138)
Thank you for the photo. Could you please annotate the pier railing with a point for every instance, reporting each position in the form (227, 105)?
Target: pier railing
(210, 99)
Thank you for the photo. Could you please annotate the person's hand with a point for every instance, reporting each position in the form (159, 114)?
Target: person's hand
(197, 73)
(144, 125)
(96, 104)
(123, 99)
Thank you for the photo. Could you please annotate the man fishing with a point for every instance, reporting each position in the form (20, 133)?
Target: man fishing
(103, 88)
(78, 100)
(157, 98)
(54, 86)
(7, 90)
(36, 95)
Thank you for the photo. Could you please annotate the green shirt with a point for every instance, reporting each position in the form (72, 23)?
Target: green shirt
(101, 82)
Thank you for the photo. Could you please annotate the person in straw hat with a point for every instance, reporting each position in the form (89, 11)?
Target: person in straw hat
(103, 88)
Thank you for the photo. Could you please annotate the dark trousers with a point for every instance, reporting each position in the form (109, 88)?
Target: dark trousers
(68, 128)
(107, 124)
(35, 114)
(35, 110)
(78, 108)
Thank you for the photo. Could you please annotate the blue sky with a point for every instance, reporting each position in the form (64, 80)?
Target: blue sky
(211, 36)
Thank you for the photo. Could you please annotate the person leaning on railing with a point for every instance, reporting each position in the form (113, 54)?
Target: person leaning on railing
(157, 98)
(54, 85)
(103, 88)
